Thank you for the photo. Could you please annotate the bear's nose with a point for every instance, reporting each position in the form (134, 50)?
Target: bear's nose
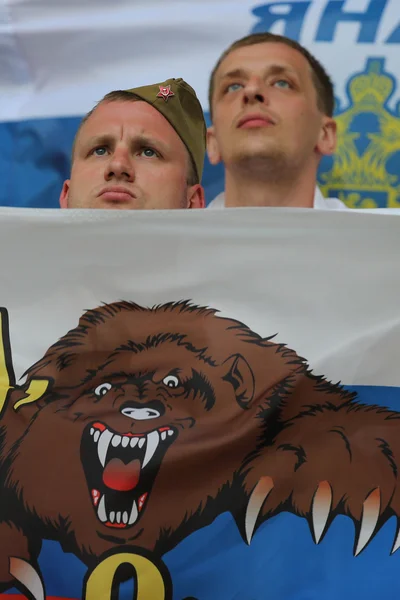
(142, 413)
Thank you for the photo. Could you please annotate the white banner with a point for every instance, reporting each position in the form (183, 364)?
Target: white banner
(313, 277)
(164, 448)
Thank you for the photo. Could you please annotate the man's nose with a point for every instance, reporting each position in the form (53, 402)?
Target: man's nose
(120, 166)
(254, 92)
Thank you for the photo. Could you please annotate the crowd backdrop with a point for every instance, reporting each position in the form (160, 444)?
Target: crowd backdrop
(58, 58)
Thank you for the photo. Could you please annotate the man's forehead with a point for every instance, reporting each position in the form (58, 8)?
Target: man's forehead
(257, 57)
(112, 118)
(121, 112)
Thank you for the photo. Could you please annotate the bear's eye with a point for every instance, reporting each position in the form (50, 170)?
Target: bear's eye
(102, 389)
(171, 381)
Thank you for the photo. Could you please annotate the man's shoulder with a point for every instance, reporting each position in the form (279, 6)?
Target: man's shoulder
(218, 202)
(320, 202)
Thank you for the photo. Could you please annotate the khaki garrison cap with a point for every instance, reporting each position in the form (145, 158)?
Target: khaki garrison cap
(178, 103)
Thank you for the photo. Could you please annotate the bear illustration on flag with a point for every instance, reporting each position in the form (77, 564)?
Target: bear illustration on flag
(142, 425)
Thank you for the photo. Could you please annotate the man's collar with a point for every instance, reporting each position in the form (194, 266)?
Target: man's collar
(320, 202)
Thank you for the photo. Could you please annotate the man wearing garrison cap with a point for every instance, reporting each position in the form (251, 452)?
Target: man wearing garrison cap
(141, 148)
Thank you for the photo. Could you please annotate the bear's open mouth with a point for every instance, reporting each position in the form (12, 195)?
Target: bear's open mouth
(120, 470)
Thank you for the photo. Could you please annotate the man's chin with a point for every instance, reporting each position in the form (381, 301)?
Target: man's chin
(259, 154)
(267, 163)
(119, 206)
(106, 205)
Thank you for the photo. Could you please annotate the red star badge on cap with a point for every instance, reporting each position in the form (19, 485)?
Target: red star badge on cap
(165, 92)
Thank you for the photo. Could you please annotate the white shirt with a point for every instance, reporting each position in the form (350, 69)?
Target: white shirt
(320, 202)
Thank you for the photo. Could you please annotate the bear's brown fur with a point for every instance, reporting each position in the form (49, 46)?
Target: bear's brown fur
(231, 421)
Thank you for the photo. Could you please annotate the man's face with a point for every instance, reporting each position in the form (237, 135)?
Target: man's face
(265, 106)
(127, 156)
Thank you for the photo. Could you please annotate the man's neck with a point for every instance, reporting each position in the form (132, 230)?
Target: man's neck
(243, 190)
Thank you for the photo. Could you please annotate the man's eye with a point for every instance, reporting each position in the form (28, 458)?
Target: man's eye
(148, 152)
(100, 151)
(282, 83)
(233, 87)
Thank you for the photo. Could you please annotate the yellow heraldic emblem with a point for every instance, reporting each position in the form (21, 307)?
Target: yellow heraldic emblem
(36, 388)
(365, 170)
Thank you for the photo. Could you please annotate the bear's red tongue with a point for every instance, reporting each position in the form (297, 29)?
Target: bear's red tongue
(121, 477)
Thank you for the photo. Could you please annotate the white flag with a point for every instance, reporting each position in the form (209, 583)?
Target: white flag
(199, 405)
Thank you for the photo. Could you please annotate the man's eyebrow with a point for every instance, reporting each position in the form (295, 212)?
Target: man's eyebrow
(240, 73)
(142, 140)
(270, 70)
(138, 141)
(280, 70)
(97, 140)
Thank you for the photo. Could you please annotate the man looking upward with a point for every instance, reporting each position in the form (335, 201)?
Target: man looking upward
(271, 106)
(141, 148)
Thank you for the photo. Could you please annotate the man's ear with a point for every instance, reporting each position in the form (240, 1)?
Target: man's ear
(196, 196)
(241, 377)
(214, 155)
(64, 194)
(327, 140)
